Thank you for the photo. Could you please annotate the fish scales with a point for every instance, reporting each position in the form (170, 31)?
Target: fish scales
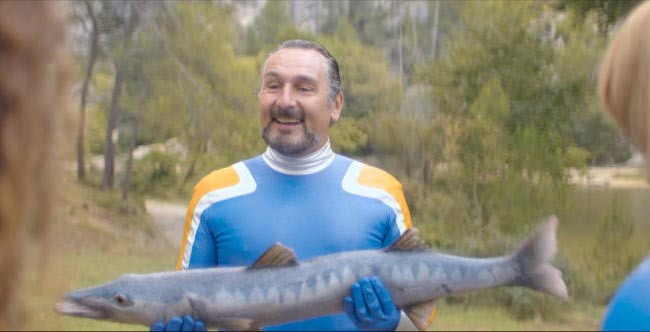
(283, 291)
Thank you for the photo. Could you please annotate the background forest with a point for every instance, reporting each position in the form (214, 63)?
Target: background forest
(483, 109)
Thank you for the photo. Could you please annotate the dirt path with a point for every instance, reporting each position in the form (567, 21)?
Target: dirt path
(169, 217)
(614, 177)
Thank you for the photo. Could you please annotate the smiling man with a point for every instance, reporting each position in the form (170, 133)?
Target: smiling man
(297, 102)
(298, 192)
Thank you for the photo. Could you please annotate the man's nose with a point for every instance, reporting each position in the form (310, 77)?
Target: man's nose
(287, 97)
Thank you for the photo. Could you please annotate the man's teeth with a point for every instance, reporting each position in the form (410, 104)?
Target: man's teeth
(286, 120)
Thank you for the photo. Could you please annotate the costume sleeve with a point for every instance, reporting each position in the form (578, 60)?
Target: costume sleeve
(197, 235)
(630, 307)
(391, 193)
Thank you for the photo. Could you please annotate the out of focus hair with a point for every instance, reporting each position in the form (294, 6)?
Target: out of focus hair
(624, 79)
(33, 90)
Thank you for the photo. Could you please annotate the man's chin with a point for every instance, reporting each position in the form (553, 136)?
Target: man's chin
(290, 145)
(291, 150)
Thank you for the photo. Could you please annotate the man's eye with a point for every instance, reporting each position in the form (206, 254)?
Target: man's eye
(305, 89)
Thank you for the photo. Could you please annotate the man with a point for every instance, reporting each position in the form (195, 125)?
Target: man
(299, 192)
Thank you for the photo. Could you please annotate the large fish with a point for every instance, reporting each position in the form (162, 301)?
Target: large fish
(277, 289)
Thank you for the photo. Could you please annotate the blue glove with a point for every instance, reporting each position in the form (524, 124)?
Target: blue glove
(370, 306)
(178, 324)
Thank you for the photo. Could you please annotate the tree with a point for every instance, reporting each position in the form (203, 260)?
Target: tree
(93, 50)
(607, 12)
(578, 53)
(196, 91)
(506, 160)
(263, 34)
(124, 16)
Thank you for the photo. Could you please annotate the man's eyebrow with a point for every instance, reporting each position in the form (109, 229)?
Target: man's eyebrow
(306, 79)
(272, 74)
(299, 78)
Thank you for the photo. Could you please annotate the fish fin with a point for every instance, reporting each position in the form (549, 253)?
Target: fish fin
(422, 314)
(534, 259)
(202, 310)
(409, 241)
(237, 324)
(276, 256)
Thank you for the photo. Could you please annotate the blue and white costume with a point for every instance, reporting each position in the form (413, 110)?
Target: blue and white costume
(319, 204)
(629, 309)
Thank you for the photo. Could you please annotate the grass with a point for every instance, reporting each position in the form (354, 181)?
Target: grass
(91, 242)
(581, 317)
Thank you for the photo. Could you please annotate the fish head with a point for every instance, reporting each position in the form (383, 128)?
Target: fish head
(119, 301)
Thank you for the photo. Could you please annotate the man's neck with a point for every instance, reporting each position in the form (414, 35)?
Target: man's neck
(301, 165)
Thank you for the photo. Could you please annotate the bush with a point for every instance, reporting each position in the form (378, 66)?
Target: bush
(156, 172)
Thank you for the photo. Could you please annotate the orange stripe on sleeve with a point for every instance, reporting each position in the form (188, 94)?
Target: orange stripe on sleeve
(376, 178)
(219, 179)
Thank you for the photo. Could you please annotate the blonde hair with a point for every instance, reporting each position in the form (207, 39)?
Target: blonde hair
(33, 88)
(624, 83)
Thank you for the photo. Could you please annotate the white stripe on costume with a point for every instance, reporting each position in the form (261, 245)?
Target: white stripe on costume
(351, 184)
(245, 186)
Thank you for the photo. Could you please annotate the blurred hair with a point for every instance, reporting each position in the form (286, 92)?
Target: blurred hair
(624, 82)
(33, 88)
(333, 76)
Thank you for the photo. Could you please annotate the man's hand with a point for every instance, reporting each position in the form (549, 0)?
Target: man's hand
(178, 324)
(370, 306)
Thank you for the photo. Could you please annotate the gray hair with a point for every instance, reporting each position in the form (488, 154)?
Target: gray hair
(332, 66)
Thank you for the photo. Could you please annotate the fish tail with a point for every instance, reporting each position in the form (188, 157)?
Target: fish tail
(534, 259)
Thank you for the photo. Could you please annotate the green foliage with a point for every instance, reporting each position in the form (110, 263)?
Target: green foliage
(503, 122)
(348, 136)
(155, 172)
(197, 97)
(271, 24)
(612, 255)
(577, 56)
(608, 12)
(368, 85)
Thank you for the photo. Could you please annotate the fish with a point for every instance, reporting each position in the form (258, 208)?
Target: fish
(278, 289)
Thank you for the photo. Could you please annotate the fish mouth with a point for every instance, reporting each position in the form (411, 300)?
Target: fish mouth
(74, 308)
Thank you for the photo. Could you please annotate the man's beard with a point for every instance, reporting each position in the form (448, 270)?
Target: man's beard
(289, 145)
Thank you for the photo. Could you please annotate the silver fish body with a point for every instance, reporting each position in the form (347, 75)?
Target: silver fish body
(278, 290)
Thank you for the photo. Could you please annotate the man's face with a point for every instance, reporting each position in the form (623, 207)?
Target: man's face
(294, 112)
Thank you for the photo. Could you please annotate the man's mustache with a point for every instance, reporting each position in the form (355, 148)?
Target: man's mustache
(292, 112)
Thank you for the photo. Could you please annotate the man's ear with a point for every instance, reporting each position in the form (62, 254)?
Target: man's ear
(337, 106)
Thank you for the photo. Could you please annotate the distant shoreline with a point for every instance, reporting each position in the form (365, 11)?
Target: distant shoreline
(611, 176)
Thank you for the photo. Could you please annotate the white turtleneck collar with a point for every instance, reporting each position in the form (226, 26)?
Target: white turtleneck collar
(303, 165)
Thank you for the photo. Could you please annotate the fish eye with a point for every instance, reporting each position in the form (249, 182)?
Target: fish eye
(121, 299)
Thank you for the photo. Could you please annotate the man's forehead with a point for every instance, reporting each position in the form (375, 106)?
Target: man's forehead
(296, 59)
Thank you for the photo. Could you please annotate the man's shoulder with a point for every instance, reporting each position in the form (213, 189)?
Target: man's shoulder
(223, 178)
(220, 178)
(372, 176)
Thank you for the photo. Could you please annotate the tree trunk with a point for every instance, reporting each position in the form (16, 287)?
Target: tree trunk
(434, 45)
(128, 169)
(113, 112)
(92, 57)
(194, 153)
